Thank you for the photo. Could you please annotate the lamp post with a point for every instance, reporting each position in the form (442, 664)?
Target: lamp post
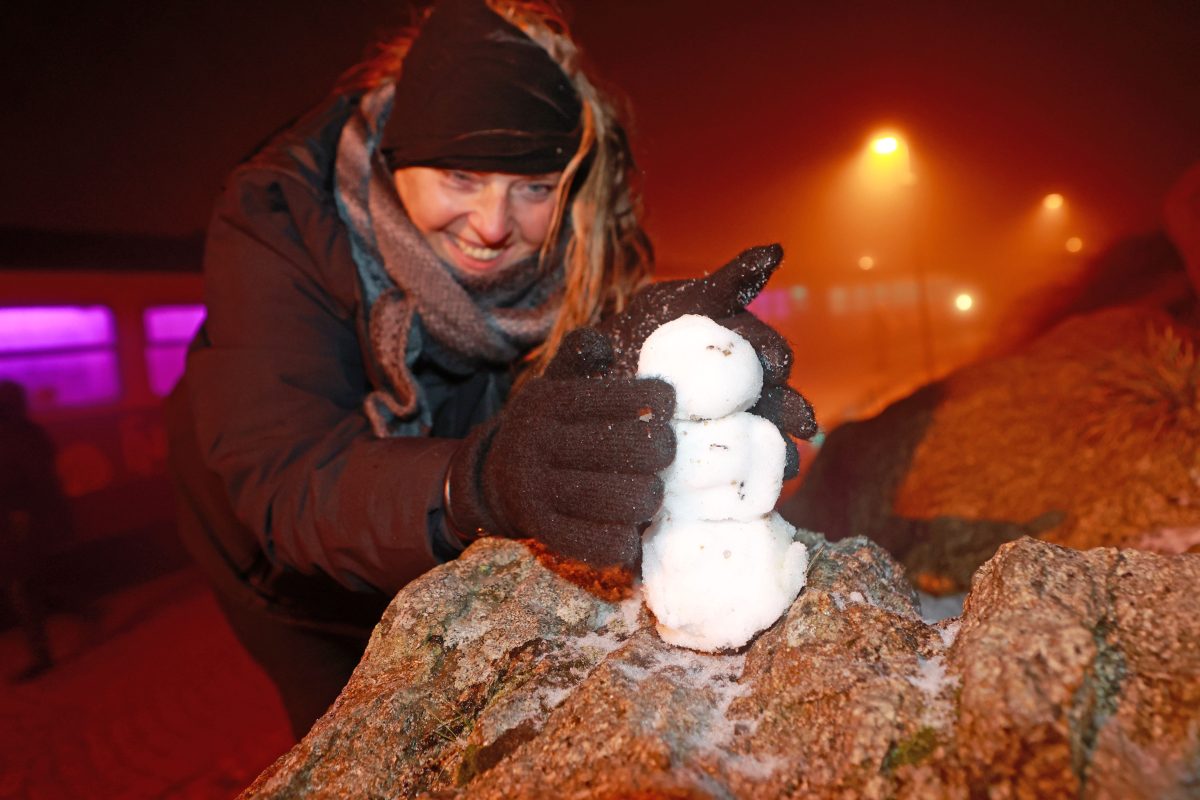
(888, 163)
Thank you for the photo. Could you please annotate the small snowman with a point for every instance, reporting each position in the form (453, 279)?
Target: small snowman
(718, 564)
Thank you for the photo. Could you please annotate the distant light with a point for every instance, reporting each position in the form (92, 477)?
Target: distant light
(799, 293)
(963, 302)
(866, 262)
(838, 299)
(1074, 244)
(885, 145)
(1053, 201)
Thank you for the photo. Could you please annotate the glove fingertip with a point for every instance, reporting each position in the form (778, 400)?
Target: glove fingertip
(758, 264)
(661, 396)
(584, 352)
(791, 459)
(739, 281)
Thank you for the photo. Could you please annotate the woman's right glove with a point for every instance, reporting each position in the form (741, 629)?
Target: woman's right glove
(723, 297)
(572, 460)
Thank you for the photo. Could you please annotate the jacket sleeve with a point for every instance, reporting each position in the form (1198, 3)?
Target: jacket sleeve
(278, 392)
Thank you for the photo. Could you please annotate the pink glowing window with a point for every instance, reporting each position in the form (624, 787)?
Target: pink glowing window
(64, 356)
(168, 331)
(771, 305)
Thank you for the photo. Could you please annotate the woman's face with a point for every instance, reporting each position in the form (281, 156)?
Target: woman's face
(479, 221)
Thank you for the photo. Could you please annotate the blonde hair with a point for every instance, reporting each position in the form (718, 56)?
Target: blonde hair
(607, 255)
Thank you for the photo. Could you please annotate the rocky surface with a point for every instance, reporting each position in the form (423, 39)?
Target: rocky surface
(1086, 438)
(1069, 674)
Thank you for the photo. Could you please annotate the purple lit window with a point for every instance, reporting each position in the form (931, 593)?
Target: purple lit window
(25, 329)
(63, 355)
(168, 331)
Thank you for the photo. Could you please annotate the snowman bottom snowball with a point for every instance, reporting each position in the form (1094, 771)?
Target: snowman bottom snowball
(713, 585)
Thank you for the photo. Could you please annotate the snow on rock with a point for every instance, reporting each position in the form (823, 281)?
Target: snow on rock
(718, 565)
(714, 370)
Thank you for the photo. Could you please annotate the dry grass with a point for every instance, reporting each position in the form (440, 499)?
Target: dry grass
(1154, 386)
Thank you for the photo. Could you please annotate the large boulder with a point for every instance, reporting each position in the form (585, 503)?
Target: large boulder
(1069, 674)
(1085, 438)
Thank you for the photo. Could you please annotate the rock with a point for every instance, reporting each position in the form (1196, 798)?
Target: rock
(1086, 438)
(491, 677)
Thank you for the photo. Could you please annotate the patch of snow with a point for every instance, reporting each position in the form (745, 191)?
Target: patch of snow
(621, 619)
(949, 632)
(465, 630)
(931, 675)
(755, 767)
(551, 697)
(934, 682)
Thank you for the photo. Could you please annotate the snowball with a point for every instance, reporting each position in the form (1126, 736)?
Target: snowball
(714, 370)
(728, 468)
(713, 585)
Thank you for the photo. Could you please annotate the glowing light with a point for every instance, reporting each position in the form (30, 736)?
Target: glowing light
(866, 262)
(172, 323)
(963, 302)
(1053, 201)
(1074, 244)
(31, 328)
(885, 145)
(886, 161)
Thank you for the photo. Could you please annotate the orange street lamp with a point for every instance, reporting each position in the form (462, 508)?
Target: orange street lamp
(885, 145)
(887, 163)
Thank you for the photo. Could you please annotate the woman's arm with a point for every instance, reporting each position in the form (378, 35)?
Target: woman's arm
(278, 391)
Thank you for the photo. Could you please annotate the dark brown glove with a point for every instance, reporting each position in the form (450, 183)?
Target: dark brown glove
(572, 460)
(723, 297)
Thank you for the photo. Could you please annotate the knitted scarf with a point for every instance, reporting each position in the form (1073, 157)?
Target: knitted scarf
(416, 304)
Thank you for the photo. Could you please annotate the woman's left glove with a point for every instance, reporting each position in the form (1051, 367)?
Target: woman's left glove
(572, 460)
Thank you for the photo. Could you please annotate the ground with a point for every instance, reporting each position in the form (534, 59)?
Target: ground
(151, 697)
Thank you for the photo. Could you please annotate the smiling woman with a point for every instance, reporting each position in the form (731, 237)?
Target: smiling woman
(377, 279)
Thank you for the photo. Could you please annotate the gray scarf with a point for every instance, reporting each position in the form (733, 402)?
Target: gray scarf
(410, 293)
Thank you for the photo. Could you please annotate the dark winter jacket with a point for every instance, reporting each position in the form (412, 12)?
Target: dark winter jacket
(287, 498)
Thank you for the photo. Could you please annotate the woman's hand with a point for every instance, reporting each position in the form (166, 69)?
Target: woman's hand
(572, 460)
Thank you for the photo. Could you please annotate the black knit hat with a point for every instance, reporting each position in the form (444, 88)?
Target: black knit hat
(476, 93)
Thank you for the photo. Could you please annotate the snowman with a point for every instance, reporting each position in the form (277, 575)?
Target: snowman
(718, 564)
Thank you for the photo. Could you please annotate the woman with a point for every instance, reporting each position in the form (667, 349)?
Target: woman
(453, 219)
